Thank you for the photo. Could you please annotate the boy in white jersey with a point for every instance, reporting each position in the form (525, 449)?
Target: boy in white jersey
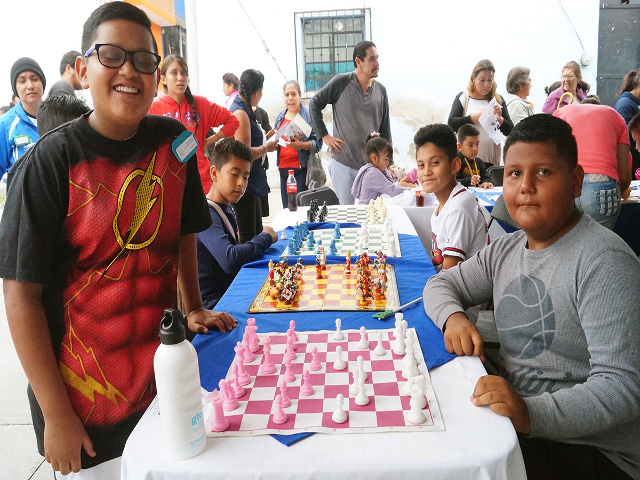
(458, 227)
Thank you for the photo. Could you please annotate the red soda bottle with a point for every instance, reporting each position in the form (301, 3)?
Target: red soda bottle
(292, 192)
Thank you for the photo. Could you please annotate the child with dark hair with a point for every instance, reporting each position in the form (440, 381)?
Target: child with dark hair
(99, 226)
(230, 86)
(373, 179)
(458, 227)
(628, 105)
(195, 112)
(220, 254)
(52, 113)
(569, 330)
(473, 172)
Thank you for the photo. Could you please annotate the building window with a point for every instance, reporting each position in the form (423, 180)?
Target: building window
(174, 41)
(324, 44)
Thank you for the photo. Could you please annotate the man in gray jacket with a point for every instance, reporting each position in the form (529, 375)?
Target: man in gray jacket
(360, 106)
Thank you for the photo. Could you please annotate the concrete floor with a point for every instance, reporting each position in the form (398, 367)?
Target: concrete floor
(19, 458)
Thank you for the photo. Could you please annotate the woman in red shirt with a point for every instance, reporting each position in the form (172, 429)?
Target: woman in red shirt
(196, 113)
(296, 154)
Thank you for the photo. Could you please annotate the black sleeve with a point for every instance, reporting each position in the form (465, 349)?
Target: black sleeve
(329, 94)
(463, 178)
(507, 124)
(195, 211)
(34, 213)
(456, 120)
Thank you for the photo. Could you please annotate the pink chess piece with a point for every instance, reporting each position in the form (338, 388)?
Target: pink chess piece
(239, 349)
(254, 340)
(292, 325)
(230, 401)
(290, 340)
(248, 354)
(238, 389)
(279, 417)
(283, 393)
(315, 363)
(289, 376)
(267, 366)
(219, 422)
(306, 389)
(243, 376)
(289, 353)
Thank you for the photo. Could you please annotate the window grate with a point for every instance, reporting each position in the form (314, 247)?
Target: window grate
(324, 44)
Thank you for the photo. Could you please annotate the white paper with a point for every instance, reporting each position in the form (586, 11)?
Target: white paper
(489, 122)
(296, 125)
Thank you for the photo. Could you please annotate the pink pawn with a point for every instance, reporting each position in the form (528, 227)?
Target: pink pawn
(243, 376)
(290, 340)
(219, 422)
(230, 401)
(292, 325)
(279, 417)
(283, 393)
(306, 389)
(315, 363)
(248, 354)
(239, 349)
(238, 389)
(267, 366)
(289, 353)
(289, 376)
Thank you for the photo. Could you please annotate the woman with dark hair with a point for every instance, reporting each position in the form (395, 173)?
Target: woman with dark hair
(470, 103)
(518, 89)
(230, 85)
(248, 209)
(196, 113)
(628, 105)
(572, 84)
(296, 154)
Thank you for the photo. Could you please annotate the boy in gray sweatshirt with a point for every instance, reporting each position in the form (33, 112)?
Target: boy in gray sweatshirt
(569, 330)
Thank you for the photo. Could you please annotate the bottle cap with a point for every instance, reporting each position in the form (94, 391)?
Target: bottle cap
(171, 327)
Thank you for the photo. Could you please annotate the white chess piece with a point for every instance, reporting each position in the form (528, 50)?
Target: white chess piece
(339, 415)
(361, 398)
(363, 344)
(416, 415)
(360, 362)
(338, 335)
(398, 345)
(339, 362)
(353, 389)
(420, 383)
(406, 388)
(379, 350)
(399, 317)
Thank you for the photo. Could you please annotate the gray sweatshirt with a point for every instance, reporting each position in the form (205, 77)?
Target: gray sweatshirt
(355, 115)
(568, 318)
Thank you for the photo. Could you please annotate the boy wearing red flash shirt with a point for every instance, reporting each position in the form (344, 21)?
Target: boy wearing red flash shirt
(99, 226)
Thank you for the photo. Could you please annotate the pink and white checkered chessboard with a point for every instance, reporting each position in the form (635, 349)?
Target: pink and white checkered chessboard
(387, 409)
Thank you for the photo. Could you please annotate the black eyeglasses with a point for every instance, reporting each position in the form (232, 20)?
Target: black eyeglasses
(112, 56)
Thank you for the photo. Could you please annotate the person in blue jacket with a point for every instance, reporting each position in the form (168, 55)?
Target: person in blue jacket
(628, 105)
(18, 130)
(296, 154)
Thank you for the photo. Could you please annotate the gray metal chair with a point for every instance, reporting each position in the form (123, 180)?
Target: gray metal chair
(323, 194)
(501, 214)
(496, 173)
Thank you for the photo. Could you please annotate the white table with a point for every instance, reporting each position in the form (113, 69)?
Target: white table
(477, 443)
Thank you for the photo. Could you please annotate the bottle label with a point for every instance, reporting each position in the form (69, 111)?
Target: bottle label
(292, 188)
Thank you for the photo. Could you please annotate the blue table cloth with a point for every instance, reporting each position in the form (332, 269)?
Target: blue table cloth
(215, 350)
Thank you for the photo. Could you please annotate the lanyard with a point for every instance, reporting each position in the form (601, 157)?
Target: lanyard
(226, 221)
(474, 171)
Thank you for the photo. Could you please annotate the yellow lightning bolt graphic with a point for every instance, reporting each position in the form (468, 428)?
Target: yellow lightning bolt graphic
(144, 204)
(88, 385)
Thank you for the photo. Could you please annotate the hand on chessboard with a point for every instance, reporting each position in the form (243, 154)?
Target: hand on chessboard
(501, 397)
(201, 320)
(271, 231)
(462, 337)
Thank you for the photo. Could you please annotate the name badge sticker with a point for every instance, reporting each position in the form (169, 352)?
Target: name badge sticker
(21, 140)
(185, 146)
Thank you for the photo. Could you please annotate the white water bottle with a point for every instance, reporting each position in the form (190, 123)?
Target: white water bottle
(178, 383)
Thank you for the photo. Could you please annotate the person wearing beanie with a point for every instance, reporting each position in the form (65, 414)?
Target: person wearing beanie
(18, 127)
